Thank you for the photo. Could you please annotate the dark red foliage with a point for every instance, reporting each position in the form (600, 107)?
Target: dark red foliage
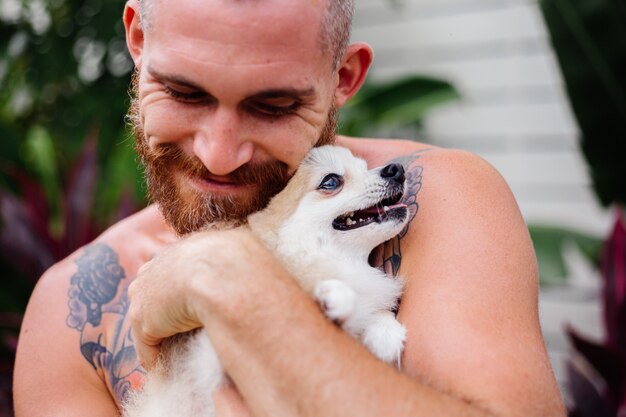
(598, 370)
(28, 243)
(26, 238)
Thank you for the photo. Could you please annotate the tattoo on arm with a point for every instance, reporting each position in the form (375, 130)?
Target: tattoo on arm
(388, 256)
(98, 304)
(94, 285)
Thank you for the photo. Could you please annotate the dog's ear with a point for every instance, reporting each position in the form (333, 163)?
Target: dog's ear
(267, 222)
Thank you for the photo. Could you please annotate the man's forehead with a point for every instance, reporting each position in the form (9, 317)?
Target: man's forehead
(236, 32)
(258, 17)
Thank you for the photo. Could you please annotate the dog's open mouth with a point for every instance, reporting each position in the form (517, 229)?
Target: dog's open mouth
(387, 209)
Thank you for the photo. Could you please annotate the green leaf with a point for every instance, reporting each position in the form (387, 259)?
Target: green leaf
(39, 152)
(589, 37)
(549, 242)
(413, 111)
(121, 175)
(397, 103)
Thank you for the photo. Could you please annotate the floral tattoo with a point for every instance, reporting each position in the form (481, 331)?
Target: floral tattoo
(98, 302)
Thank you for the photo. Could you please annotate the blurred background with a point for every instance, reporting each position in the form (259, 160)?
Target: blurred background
(534, 87)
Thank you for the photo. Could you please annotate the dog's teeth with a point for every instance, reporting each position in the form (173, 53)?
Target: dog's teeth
(350, 222)
(385, 208)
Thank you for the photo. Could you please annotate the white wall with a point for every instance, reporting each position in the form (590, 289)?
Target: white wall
(514, 111)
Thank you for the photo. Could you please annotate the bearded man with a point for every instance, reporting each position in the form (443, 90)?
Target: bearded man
(229, 96)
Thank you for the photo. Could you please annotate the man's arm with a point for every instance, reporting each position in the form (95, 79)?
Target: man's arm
(284, 356)
(471, 297)
(75, 352)
(470, 307)
(51, 377)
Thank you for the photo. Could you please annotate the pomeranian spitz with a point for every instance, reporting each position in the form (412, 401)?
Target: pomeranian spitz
(322, 227)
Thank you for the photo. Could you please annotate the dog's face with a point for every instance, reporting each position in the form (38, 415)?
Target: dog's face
(335, 200)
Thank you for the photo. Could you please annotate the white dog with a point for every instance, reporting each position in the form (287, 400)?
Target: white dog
(322, 227)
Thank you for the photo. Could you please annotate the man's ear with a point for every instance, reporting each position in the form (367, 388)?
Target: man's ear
(352, 72)
(134, 32)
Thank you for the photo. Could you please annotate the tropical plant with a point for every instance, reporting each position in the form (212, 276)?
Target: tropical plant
(64, 74)
(551, 244)
(589, 38)
(66, 165)
(597, 370)
(397, 103)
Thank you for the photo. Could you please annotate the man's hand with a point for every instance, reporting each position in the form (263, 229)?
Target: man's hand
(158, 308)
(179, 289)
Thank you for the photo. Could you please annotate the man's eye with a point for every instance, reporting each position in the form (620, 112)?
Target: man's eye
(331, 182)
(273, 109)
(185, 96)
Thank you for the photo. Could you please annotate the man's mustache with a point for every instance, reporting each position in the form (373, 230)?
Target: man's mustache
(168, 156)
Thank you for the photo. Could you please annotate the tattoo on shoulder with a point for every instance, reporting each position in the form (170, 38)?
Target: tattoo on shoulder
(98, 303)
(94, 286)
(388, 256)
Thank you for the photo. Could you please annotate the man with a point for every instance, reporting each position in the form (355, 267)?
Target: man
(229, 97)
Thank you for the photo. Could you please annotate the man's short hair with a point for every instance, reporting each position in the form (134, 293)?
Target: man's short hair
(334, 34)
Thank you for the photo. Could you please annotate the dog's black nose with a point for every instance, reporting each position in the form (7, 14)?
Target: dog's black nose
(393, 172)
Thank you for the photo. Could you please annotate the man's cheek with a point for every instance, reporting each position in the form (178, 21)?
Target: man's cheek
(163, 123)
(288, 140)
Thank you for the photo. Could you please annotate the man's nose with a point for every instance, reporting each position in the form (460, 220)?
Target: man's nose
(393, 172)
(220, 142)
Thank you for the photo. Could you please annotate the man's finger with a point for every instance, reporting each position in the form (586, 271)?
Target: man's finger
(147, 354)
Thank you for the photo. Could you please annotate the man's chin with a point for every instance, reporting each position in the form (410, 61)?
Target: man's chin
(196, 211)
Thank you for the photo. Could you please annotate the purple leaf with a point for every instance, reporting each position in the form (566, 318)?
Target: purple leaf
(33, 195)
(603, 360)
(587, 389)
(21, 243)
(37, 208)
(613, 269)
(126, 206)
(80, 195)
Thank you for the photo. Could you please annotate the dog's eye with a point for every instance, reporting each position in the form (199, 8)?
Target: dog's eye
(331, 182)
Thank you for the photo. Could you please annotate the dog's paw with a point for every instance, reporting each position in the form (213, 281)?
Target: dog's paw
(385, 338)
(336, 298)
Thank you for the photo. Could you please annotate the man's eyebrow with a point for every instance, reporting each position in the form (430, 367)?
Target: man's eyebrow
(173, 79)
(295, 93)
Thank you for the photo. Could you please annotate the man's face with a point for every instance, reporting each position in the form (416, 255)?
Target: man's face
(229, 97)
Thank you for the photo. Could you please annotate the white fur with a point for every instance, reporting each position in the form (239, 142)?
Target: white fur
(329, 264)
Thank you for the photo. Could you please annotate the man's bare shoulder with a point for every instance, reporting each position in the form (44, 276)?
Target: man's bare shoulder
(440, 182)
(133, 241)
(460, 205)
(470, 302)
(381, 151)
(76, 315)
(138, 237)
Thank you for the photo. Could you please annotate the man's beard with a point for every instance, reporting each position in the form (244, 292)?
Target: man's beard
(188, 212)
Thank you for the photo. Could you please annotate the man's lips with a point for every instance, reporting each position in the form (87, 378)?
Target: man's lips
(219, 180)
(213, 184)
